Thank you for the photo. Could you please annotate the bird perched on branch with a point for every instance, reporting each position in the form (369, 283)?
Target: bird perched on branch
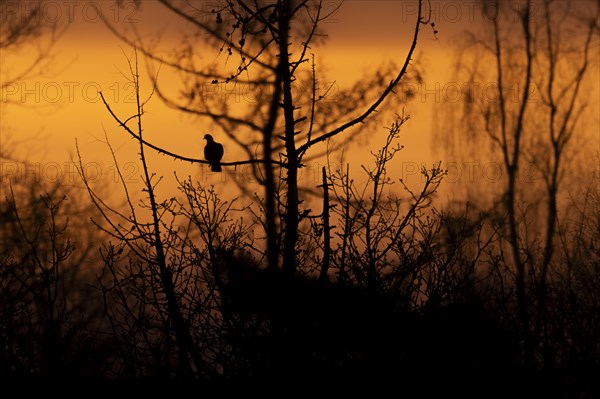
(213, 152)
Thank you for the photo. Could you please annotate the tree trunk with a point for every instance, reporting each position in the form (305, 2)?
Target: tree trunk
(326, 229)
(291, 216)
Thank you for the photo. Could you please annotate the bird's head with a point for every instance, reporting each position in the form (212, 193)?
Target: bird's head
(208, 137)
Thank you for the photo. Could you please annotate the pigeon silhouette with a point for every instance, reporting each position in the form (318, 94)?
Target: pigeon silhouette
(213, 152)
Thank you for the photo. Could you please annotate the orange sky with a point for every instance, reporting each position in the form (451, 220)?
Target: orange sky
(63, 105)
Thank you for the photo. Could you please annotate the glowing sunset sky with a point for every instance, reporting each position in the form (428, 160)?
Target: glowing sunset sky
(63, 105)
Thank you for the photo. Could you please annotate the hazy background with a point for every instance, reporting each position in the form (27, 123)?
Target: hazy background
(484, 280)
(49, 112)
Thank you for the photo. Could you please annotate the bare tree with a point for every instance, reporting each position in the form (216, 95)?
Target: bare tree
(25, 27)
(155, 235)
(46, 250)
(378, 227)
(542, 52)
(269, 44)
(47, 259)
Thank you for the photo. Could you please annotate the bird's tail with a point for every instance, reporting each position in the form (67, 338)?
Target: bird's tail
(215, 167)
